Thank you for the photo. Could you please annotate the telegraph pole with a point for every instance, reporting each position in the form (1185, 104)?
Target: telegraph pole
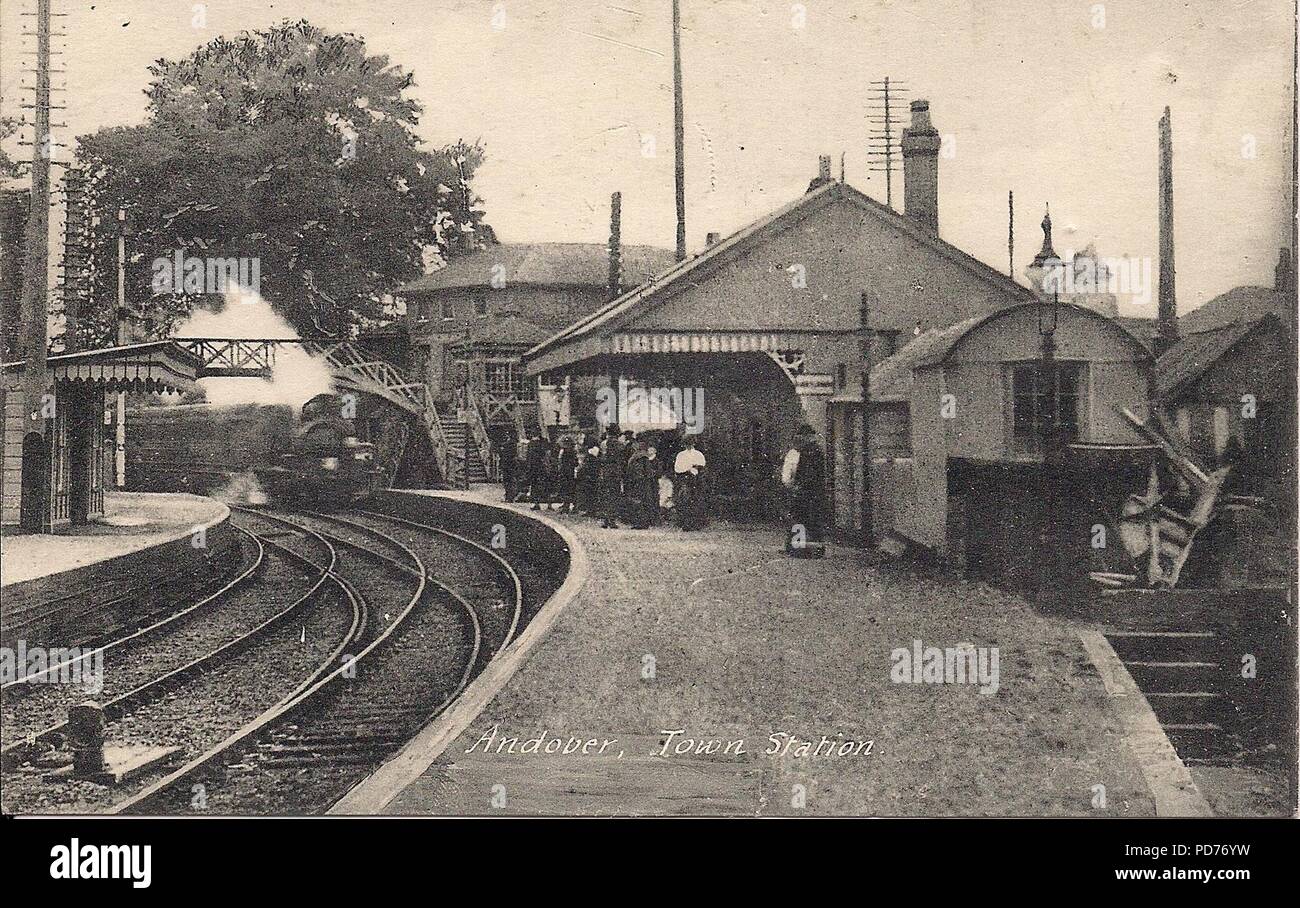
(1011, 234)
(864, 355)
(882, 143)
(679, 140)
(35, 303)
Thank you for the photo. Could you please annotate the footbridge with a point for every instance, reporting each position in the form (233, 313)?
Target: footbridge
(354, 370)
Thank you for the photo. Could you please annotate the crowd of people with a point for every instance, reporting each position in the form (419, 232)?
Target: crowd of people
(648, 479)
(617, 476)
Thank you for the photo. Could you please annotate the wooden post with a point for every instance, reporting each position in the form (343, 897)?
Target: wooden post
(119, 431)
(864, 346)
(35, 303)
(679, 140)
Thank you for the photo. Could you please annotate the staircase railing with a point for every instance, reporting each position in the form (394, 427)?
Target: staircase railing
(382, 379)
(478, 432)
(354, 370)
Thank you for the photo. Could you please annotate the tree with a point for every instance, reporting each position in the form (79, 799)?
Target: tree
(10, 127)
(292, 148)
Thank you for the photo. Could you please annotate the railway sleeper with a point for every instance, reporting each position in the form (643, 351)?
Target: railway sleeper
(353, 758)
(324, 746)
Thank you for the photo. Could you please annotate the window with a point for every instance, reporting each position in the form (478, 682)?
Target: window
(507, 378)
(481, 305)
(448, 310)
(1045, 405)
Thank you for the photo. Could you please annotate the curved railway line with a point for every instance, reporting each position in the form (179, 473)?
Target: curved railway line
(156, 702)
(465, 604)
(151, 660)
(367, 625)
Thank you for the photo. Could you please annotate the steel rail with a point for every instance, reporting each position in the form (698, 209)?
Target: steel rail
(170, 619)
(121, 705)
(506, 567)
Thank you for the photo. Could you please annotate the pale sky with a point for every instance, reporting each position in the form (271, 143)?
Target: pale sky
(1055, 99)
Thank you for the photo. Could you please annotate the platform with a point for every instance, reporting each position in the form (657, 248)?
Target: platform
(719, 637)
(132, 521)
(84, 582)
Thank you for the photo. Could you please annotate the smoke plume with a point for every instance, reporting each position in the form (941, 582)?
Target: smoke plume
(297, 375)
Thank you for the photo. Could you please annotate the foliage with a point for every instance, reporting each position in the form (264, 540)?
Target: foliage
(289, 146)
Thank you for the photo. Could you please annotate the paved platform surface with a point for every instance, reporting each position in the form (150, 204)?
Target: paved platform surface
(132, 521)
(778, 671)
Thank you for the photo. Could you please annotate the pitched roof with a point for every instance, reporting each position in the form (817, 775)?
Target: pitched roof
(151, 366)
(629, 302)
(510, 330)
(542, 264)
(1142, 328)
(891, 378)
(1248, 303)
(1196, 352)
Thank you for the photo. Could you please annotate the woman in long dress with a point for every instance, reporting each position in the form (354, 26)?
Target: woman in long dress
(688, 494)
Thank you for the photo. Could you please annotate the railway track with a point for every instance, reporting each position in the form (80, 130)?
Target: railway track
(301, 756)
(76, 618)
(221, 688)
(151, 660)
(411, 612)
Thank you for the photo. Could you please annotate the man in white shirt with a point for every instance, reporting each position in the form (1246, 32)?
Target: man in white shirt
(689, 459)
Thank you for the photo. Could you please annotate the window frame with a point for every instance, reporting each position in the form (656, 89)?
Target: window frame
(516, 379)
(1025, 436)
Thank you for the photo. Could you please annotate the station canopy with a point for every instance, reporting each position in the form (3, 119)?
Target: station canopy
(157, 366)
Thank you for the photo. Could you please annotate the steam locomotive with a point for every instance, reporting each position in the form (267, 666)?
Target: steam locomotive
(326, 465)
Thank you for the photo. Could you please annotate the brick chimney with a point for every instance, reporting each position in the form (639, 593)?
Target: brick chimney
(921, 168)
(823, 173)
(1167, 301)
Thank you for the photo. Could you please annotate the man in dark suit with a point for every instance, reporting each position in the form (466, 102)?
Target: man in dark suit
(612, 462)
(536, 466)
(804, 474)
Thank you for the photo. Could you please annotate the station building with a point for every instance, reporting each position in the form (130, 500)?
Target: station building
(468, 322)
(59, 459)
(774, 320)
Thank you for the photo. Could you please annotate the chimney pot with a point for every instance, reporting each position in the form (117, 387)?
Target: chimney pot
(823, 173)
(712, 238)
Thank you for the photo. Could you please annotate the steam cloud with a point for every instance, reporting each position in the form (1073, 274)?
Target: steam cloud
(297, 375)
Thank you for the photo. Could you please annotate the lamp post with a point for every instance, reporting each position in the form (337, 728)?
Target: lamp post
(1048, 387)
